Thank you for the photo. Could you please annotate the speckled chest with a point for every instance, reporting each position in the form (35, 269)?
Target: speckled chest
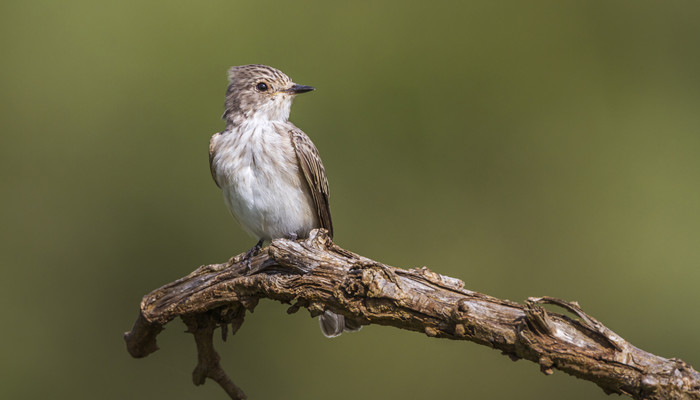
(257, 168)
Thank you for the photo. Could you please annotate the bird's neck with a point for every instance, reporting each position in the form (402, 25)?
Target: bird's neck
(255, 122)
(276, 111)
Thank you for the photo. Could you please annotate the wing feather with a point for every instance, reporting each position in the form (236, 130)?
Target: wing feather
(211, 158)
(312, 167)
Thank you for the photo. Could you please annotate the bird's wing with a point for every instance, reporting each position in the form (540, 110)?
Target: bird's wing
(211, 158)
(312, 167)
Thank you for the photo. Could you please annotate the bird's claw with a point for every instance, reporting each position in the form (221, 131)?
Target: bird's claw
(252, 253)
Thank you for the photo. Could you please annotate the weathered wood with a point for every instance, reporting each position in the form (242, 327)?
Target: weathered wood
(318, 275)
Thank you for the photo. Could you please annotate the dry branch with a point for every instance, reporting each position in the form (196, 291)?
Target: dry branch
(318, 275)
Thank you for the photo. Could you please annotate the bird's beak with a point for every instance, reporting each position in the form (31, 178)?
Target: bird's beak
(296, 89)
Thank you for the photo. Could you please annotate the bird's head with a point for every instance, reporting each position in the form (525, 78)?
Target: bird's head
(259, 91)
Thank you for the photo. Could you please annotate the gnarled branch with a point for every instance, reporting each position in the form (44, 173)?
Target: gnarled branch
(318, 275)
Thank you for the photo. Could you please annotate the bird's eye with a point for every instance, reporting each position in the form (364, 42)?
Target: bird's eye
(261, 86)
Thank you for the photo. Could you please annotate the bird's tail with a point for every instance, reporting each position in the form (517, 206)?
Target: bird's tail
(333, 324)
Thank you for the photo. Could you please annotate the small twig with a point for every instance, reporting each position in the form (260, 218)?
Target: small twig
(318, 275)
(202, 327)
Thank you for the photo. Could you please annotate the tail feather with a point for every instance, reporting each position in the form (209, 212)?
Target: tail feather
(333, 324)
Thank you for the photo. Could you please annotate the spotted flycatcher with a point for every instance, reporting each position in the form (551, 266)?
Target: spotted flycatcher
(270, 172)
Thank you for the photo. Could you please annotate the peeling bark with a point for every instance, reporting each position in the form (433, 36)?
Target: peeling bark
(318, 275)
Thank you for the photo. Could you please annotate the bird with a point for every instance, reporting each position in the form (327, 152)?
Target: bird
(270, 173)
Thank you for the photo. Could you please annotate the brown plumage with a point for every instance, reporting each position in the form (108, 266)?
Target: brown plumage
(315, 174)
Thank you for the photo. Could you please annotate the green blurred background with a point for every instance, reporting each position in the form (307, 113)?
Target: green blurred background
(528, 148)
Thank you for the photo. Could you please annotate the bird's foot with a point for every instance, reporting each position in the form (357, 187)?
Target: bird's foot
(252, 253)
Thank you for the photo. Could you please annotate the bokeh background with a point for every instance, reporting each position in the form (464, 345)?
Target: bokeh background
(528, 148)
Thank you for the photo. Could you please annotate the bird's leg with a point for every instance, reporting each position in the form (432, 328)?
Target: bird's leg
(251, 253)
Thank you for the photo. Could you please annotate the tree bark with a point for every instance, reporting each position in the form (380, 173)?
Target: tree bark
(318, 275)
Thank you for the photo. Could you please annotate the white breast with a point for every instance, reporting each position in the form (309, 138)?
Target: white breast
(257, 169)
